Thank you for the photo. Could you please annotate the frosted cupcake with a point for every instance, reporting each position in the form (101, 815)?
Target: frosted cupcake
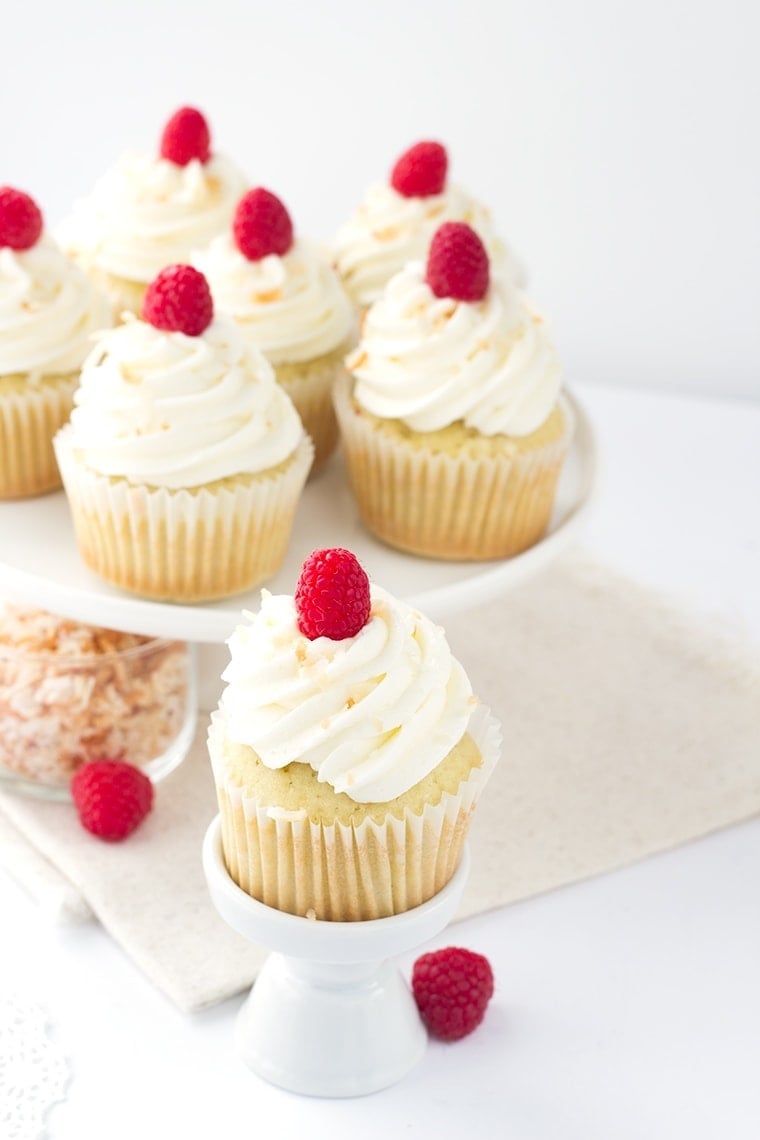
(453, 425)
(288, 301)
(149, 211)
(48, 314)
(348, 749)
(396, 222)
(184, 460)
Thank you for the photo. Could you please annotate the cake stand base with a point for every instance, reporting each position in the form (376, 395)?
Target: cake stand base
(329, 1015)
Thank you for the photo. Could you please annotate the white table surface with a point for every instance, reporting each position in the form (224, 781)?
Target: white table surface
(627, 1007)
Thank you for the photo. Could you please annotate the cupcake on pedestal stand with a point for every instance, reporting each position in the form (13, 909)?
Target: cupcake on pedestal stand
(349, 754)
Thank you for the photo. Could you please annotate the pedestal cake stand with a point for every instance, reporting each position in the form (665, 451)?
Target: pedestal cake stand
(40, 563)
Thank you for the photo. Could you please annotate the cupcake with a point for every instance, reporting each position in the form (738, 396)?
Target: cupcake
(348, 750)
(183, 460)
(48, 314)
(396, 222)
(288, 301)
(149, 211)
(453, 426)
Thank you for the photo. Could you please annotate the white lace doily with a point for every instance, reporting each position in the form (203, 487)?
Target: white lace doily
(33, 1070)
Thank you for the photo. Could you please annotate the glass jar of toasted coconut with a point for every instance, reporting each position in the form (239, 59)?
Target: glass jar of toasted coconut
(72, 693)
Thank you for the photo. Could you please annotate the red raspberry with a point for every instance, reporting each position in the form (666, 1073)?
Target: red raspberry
(112, 798)
(186, 136)
(20, 219)
(452, 988)
(457, 264)
(179, 300)
(332, 595)
(421, 170)
(262, 225)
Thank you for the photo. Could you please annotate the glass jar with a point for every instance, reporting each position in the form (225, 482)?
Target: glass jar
(71, 693)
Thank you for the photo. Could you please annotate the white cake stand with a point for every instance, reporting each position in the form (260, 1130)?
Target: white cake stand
(329, 1014)
(40, 563)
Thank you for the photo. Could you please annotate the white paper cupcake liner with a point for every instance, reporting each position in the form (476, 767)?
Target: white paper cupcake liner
(183, 545)
(29, 418)
(465, 506)
(344, 872)
(310, 386)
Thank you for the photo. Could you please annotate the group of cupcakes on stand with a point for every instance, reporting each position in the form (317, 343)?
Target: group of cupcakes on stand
(179, 355)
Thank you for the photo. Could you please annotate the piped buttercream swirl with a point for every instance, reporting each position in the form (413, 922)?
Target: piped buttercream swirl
(146, 213)
(293, 307)
(372, 714)
(170, 410)
(49, 311)
(387, 230)
(432, 361)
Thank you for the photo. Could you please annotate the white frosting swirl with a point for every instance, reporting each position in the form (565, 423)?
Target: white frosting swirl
(372, 714)
(432, 361)
(172, 410)
(146, 213)
(293, 307)
(387, 230)
(48, 311)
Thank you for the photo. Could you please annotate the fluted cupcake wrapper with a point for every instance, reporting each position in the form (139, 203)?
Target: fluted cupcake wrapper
(183, 545)
(464, 506)
(30, 415)
(310, 386)
(348, 872)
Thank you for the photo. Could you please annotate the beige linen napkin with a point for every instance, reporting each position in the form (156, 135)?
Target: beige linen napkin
(627, 730)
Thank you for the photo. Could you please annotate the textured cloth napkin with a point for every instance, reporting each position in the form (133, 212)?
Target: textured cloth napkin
(627, 730)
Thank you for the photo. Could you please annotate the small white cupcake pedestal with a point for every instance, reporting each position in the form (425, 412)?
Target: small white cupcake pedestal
(329, 1015)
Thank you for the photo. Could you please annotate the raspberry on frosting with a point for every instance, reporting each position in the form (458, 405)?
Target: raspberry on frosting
(452, 988)
(457, 264)
(332, 595)
(179, 300)
(112, 798)
(20, 219)
(421, 171)
(186, 136)
(262, 225)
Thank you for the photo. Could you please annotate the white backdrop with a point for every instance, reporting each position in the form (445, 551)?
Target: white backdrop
(616, 142)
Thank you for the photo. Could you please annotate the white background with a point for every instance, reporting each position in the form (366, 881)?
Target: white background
(617, 142)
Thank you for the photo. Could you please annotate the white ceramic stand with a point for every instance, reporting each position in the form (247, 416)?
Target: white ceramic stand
(327, 516)
(329, 1015)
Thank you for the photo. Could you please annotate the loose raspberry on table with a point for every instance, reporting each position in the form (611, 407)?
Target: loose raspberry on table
(457, 264)
(20, 219)
(111, 797)
(186, 136)
(421, 170)
(452, 988)
(262, 225)
(179, 300)
(332, 595)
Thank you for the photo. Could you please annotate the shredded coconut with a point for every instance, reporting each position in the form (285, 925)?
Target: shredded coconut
(70, 693)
